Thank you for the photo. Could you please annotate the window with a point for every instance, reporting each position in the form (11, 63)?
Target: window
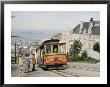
(61, 48)
(55, 48)
(48, 48)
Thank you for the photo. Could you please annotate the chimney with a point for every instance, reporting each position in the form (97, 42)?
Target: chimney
(81, 26)
(91, 24)
(91, 19)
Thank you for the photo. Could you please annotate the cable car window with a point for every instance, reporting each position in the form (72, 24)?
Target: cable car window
(55, 48)
(48, 48)
(42, 52)
(61, 48)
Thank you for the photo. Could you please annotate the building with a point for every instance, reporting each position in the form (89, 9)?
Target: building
(61, 37)
(87, 32)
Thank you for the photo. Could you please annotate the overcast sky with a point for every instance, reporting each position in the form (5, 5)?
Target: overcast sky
(35, 25)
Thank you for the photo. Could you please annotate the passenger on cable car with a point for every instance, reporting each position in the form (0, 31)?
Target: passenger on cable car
(56, 50)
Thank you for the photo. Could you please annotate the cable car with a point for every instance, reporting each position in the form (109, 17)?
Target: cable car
(51, 53)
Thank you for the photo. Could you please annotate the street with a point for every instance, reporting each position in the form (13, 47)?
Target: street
(71, 70)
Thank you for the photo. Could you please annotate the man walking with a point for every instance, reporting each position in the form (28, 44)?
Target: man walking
(33, 62)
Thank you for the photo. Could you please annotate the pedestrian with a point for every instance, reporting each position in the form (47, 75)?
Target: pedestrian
(33, 62)
(20, 65)
(27, 63)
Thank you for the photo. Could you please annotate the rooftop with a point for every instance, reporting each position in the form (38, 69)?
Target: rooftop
(95, 29)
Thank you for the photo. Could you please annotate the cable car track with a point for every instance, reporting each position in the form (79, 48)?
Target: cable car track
(65, 74)
(74, 74)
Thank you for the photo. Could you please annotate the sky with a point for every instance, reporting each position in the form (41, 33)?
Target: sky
(37, 25)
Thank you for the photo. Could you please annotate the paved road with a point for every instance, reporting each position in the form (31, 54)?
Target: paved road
(71, 70)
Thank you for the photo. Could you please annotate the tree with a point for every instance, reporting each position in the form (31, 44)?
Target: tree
(75, 50)
(96, 47)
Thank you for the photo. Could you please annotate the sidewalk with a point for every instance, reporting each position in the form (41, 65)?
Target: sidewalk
(16, 73)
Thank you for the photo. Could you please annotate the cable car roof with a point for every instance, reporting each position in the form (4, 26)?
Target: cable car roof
(49, 42)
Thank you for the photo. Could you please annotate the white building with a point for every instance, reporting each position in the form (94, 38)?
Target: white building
(61, 37)
(87, 32)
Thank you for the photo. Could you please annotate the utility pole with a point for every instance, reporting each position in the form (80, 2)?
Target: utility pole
(15, 51)
(15, 44)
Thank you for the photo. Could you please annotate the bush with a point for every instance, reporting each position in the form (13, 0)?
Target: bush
(84, 57)
(75, 49)
(96, 47)
(92, 60)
